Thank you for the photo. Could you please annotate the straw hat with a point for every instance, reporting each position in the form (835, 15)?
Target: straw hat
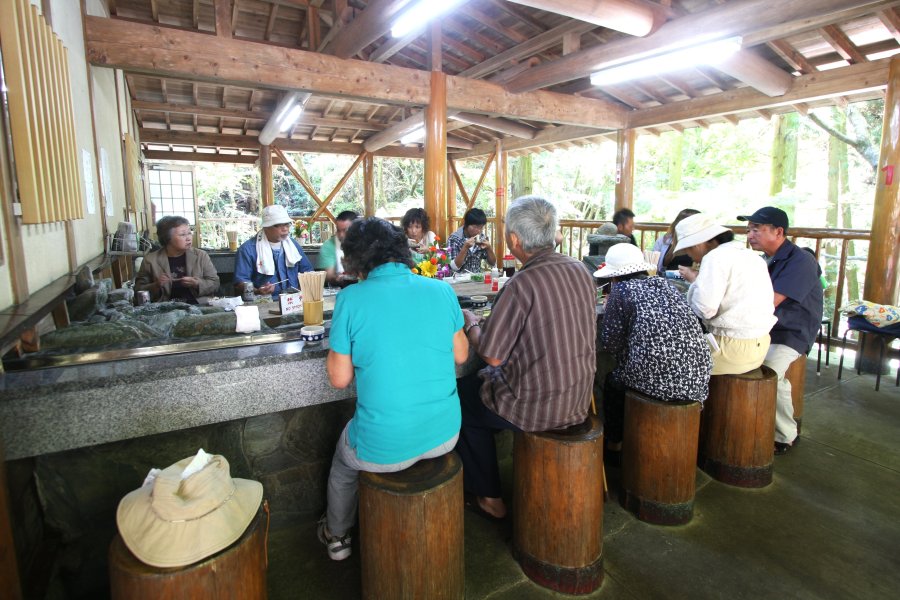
(172, 522)
(275, 215)
(694, 230)
(623, 259)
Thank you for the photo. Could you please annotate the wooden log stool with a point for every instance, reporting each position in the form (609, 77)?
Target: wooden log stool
(411, 531)
(558, 507)
(738, 428)
(236, 573)
(659, 459)
(796, 374)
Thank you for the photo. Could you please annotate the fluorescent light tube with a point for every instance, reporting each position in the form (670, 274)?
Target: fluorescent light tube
(419, 14)
(290, 117)
(416, 135)
(710, 53)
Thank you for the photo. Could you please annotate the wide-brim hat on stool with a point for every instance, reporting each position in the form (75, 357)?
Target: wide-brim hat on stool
(275, 215)
(623, 259)
(694, 230)
(191, 510)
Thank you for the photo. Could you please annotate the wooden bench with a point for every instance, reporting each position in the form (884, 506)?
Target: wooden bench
(659, 459)
(796, 374)
(236, 573)
(411, 531)
(737, 438)
(558, 507)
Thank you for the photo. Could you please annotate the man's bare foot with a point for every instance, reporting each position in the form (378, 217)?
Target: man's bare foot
(492, 506)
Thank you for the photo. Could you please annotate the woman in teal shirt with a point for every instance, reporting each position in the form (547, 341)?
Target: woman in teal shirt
(407, 407)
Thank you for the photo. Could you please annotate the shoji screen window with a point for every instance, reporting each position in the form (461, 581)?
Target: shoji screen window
(172, 193)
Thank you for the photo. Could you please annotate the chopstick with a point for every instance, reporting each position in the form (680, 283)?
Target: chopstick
(312, 285)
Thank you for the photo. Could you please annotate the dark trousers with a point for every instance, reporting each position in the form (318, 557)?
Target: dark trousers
(613, 409)
(476, 447)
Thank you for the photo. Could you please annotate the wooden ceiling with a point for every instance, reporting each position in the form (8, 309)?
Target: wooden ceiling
(206, 75)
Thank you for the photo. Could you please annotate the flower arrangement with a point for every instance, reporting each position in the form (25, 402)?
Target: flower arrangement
(434, 263)
(300, 229)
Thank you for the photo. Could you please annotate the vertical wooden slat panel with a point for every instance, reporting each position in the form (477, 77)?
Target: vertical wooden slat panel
(50, 156)
(71, 149)
(17, 70)
(59, 128)
(40, 151)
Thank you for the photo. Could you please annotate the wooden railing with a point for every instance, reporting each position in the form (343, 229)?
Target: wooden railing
(575, 245)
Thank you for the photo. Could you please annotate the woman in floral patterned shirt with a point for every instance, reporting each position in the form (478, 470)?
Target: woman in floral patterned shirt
(656, 339)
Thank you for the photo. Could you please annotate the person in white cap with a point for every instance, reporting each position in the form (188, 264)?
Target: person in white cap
(270, 262)
(659, 346)
(732, 294)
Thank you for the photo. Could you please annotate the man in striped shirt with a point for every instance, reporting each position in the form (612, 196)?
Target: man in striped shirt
(539, 344)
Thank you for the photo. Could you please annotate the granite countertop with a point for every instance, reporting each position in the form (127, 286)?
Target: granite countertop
(62, 408)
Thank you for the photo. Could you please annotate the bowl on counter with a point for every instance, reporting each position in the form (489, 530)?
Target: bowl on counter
(312, 334)
(478, 301)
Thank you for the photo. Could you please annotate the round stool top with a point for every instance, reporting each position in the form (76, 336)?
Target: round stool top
(590, 429)
(424, 475)
(762, 372)
(645, 398)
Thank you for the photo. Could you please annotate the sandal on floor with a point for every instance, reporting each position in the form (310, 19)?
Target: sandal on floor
(472, 505)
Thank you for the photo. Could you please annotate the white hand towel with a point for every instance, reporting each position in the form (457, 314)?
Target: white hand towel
(338, 257)
(265, 264)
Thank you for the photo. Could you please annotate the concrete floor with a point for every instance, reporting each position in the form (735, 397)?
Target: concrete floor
(827, 527)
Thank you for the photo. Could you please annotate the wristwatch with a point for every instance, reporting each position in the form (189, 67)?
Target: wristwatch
(467, 329)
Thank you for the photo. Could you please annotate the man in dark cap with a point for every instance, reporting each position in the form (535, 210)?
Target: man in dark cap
(798, 307)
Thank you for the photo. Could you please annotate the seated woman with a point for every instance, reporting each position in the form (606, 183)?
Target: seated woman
(407, 405)
(732, 293)
(666, 246)
(656, 340)
(415, 224)
(176, 271)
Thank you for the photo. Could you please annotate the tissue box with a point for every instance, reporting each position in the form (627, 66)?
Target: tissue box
(290, 303)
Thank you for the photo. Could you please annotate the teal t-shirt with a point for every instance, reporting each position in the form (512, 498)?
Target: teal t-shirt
(328, 254)
(398, 328)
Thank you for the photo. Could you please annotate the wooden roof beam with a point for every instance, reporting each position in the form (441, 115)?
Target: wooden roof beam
(628, 16)
(198, 56)
(842, 44)
(551, 135)
(498, 124)
(756, 72)
(806, 88)
(736, 18)
(369, 25)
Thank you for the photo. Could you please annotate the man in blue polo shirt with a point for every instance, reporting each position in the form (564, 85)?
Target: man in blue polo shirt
(798, 307)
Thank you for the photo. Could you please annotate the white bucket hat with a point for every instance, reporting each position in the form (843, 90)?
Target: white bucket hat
(275, 215)
(694, 230)
(623, 259)
(173, 521)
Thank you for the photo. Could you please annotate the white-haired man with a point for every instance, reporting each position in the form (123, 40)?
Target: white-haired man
(539, 344)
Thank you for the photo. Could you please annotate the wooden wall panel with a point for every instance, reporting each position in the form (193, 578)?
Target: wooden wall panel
(41, 117)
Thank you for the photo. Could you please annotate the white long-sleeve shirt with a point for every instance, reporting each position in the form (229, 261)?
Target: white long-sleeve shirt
(733, 293)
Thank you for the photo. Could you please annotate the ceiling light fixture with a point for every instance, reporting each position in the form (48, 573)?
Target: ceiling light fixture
(709, 53)
(414, 136)
(419, 14)
(290, 117)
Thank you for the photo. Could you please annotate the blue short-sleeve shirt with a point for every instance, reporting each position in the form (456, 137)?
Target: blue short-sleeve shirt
(795, 274)
(398, 329)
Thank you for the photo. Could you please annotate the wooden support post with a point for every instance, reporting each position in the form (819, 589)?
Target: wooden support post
(61, 315)
(884, 249)
(501, 200)
(625, 139)
(450, 209)
(265, 176)
(369, 185)
(436, 147)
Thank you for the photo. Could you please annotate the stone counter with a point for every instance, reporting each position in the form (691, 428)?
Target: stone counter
(51, 410)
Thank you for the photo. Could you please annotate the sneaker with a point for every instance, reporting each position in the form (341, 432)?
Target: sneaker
(338, 547)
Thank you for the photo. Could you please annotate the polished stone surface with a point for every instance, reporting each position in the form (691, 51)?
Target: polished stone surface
(51, 410)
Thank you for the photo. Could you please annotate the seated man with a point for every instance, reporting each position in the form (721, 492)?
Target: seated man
(539, 344)
(331, 255)
(466, 246)
(270, 262)
(798, 308)
(623, 219)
